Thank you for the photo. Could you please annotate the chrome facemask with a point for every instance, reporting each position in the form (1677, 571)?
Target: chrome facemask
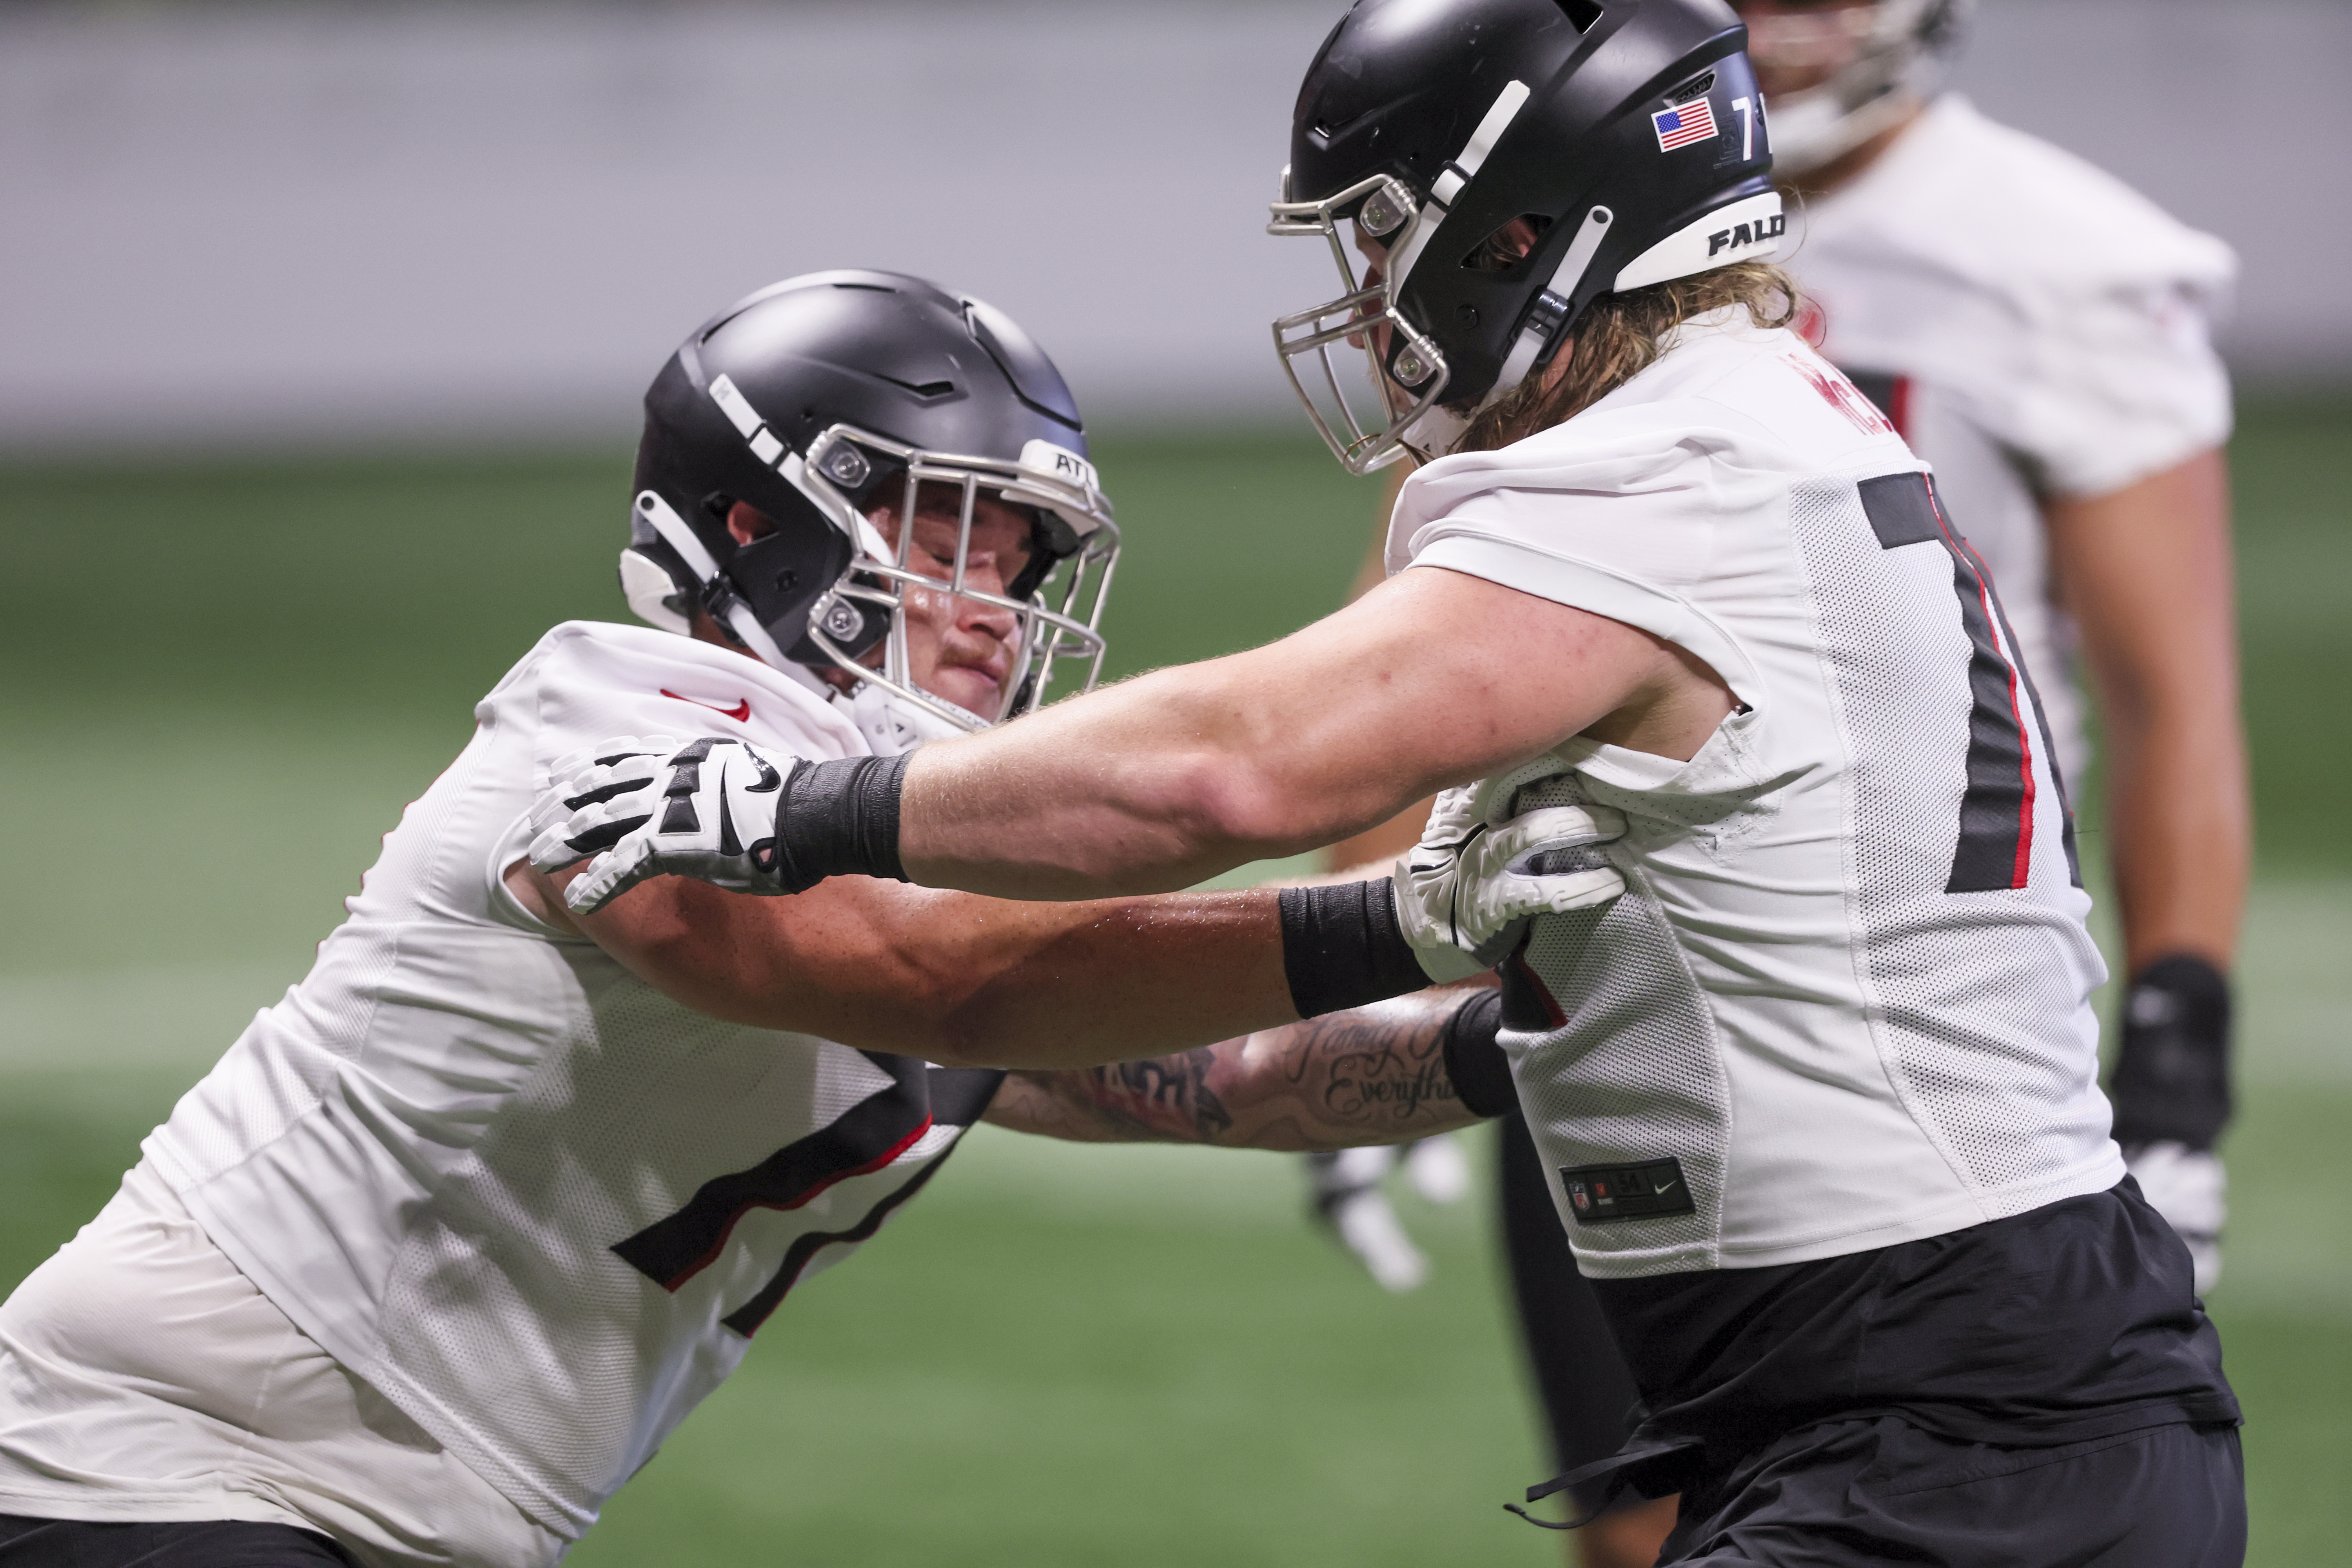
(1057, 627)
(1058, 636)
(1390, 415)
(1408, 385)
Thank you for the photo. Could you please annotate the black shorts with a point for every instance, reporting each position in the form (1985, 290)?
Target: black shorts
(1580, 1380)
(221, 1543)
(1883, 1491)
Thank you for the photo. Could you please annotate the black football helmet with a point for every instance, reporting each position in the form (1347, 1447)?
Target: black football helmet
(1628, 134)
(819, 400)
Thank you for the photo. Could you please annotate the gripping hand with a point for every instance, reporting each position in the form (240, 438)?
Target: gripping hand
(1464, 894)
(705, 809)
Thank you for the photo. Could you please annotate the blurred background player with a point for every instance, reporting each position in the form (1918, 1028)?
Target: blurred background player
(2049, 350)
(453, 1238)
(2040, 334)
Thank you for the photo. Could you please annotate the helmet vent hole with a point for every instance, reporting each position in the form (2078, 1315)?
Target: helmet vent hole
(1691, 91)
(924, 388)
(1582, 13)
(1509, 245)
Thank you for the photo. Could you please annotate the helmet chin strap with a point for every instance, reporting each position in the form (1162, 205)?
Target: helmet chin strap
(741, 623)
(1438, 428)
(1548, 315)
(893, 726)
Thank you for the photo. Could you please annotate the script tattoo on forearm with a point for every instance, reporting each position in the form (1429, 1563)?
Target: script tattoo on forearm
(1367, 1069)
(1373, 1075)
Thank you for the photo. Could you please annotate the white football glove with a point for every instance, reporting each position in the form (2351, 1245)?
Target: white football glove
(1437, 1168)
(706, 809)
(1345, 1185)
(1464, 893)
(2190, 1188)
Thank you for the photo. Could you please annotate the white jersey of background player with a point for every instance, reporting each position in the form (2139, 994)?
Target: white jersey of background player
(458, 1231)
(2040, 334)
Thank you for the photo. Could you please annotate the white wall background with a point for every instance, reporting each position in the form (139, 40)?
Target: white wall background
(273, 224)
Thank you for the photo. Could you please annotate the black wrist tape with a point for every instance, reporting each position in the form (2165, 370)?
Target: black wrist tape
(2171, 1081)
(839, 819)
(1481, 1073)
(1341, 947)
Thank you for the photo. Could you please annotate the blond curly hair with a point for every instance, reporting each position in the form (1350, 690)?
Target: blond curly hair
(1621, 336)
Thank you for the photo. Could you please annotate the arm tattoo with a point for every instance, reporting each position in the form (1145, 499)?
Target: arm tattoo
(1161, 1099)
(1366, 1069)
(1372, 1075)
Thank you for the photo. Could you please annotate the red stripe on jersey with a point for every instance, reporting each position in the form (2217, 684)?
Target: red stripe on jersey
(1900, 396)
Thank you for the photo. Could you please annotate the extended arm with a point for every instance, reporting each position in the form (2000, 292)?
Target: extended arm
(1380, 844)
(953, 978)
(1375, 1075)
(963, 979)
(2147, 572)
(1433, 678)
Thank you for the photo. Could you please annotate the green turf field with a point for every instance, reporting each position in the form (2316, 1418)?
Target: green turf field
(1060, 1355)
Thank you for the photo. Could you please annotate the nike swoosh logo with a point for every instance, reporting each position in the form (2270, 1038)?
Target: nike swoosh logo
(1662, 1188)
(741, 712)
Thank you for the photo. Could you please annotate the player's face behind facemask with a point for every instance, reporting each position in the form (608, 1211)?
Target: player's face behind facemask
(1621, 336)
(962, 648)
(836, 407)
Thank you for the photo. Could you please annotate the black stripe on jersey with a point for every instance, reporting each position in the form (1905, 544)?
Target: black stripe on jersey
(959, 1095)
(1996, 841)
(2041, 722)
(746, 1319)
(868, 1136)
(1528, 1003)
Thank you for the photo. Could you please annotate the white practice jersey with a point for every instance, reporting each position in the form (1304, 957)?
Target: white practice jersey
(535, 1203)
(1845, 1000)
(2034, 328)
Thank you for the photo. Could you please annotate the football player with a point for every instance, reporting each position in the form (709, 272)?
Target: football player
(1816, 1097)
(2057, 370)
(457, 1232)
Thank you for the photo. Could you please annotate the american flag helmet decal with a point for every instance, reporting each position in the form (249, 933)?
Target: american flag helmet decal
(1683, 124)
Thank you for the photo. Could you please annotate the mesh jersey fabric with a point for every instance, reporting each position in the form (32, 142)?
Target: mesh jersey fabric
(1847, 991)
(144, 1379)
(535, 1203)
(2034, 328)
